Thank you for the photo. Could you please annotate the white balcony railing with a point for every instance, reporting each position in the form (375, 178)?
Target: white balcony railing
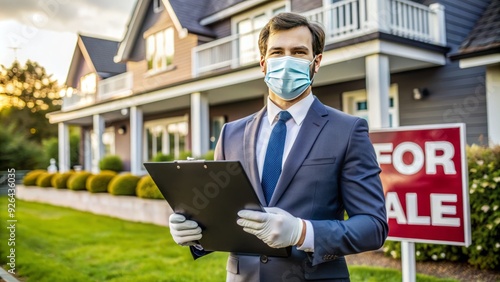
(73, 100)
(113, 87)
(342, 20)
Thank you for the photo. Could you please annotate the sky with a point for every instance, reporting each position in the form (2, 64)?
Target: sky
(45, 31)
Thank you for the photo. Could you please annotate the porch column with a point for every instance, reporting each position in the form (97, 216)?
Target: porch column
(199, 124)
(87, 150)
(493, 103)
(377, 88)
(98, 123)
(63, 144)
(136, 128)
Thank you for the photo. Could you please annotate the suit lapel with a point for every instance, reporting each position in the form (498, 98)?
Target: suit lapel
(250, 148)
(309, 131)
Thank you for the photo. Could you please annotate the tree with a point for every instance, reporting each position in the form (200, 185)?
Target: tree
(18, 152)
(27, 94)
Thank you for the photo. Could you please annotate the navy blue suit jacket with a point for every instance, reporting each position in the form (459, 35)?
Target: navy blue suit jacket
(331, 168)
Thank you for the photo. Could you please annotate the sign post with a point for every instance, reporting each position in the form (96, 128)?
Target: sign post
(425, 180)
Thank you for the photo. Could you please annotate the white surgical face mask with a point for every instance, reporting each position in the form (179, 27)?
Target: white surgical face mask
(288, 77)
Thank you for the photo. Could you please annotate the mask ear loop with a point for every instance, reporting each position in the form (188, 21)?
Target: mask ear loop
(311, 72)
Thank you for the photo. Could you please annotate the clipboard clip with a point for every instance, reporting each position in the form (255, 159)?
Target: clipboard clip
(190, 160)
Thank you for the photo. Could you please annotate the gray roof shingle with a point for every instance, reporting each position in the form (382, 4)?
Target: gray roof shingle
(219, 5)
(190, 13)
(101, 52)
(486, 33)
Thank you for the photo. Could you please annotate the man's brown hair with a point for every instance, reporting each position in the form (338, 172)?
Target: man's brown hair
(285, 21)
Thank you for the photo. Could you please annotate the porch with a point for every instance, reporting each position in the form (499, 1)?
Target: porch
(343, 20)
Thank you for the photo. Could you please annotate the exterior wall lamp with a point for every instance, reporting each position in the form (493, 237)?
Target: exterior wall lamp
(420, 93)
(122, 129)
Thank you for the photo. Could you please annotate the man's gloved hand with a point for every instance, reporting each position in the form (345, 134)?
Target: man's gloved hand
(185, 232)
(275, 227)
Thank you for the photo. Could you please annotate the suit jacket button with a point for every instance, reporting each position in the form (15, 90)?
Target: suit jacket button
(264, 259)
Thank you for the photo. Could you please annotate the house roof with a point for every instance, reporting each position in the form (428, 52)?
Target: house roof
(219, 5)
(185, 14)
(485, 36)
(101, 52)
(98, 54)
(190, 12)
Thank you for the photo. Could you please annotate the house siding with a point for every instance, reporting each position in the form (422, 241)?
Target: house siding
(138, 52)
(299, 6)
(456, 95)
(83, 69)
(222, 28)
(237, 110)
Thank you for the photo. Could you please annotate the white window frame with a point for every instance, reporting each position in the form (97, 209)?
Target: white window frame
(361, 94)
(266, 9)
(165, 141)
(168, 47)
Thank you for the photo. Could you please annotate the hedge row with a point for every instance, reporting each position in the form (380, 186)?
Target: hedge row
(105, 181)
(484, 199)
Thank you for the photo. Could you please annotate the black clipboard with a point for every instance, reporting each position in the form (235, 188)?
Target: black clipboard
(211, 193)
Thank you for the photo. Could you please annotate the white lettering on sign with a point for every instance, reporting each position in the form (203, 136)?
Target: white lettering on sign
(430, 158)
(441, 209)
(412, 217)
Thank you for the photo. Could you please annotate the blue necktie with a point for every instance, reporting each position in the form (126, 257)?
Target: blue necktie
(274, 156)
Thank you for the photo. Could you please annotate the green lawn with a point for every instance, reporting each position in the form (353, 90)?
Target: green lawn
(60, 244)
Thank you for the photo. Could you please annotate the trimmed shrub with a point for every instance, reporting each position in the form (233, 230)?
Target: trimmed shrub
(146, 188)
(160, 157)
(484, 199)
(98, 183)
(44, 179)
(60, 180)
(123, 184)
(184, 155)
(31, 177)
(209, 155)
(78, 180)
(111, 162)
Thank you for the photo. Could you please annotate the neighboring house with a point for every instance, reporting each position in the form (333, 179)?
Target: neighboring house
(93, 77)
(193, 65)
(481, 49)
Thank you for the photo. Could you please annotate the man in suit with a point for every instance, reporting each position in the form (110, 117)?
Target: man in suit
(326, 165)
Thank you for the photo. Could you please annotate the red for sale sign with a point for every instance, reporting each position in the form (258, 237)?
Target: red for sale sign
(424, 174)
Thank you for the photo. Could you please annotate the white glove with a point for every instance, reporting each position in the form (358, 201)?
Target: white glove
(276, 227)
(185, 232)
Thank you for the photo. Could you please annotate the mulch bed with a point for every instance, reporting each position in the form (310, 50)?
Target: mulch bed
(442, 269)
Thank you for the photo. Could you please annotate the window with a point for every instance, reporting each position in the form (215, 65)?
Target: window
(88, 83)
(248, 27)
(160, 50)
(166, 136)
(356, 103)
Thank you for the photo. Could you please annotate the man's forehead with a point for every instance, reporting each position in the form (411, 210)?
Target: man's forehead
(298, 37)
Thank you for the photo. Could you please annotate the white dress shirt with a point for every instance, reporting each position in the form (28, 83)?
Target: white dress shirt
(298, 112)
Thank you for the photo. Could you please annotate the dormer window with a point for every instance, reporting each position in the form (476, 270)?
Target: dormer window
(160, 50)
(157, 7)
